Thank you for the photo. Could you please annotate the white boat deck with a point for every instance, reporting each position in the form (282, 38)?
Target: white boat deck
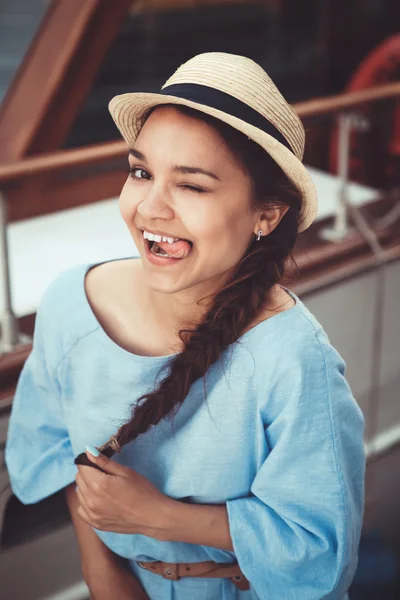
(42, 247)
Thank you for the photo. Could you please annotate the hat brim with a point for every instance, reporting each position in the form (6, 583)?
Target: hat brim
(128, 110)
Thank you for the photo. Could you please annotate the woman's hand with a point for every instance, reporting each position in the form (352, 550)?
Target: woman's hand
(113, 581)
(120, 499)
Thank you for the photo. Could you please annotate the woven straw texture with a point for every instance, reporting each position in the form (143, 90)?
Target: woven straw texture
(245, 80)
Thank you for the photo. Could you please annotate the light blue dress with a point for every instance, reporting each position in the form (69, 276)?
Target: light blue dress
(279, 440)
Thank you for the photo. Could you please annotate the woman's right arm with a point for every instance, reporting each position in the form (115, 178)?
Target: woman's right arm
(104, 576)
(38, 453)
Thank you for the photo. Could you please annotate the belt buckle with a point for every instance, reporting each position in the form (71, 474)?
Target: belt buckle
(169, 571)
(241, 582)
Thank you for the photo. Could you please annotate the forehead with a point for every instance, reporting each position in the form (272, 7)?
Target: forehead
(174, 135)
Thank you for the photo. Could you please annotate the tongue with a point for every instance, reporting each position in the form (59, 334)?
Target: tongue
(179, 249)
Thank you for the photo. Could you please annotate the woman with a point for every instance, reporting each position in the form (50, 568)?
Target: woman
(238, 462)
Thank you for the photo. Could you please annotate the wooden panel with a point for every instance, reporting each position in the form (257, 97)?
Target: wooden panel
(62, 160)
(50, 195)
(39, 75)
(56, 74)
(173, 4)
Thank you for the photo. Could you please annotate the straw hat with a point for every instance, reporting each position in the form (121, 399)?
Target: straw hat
(238, 91)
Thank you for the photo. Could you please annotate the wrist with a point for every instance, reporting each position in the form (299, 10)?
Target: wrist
(201, 524)
(166, 523)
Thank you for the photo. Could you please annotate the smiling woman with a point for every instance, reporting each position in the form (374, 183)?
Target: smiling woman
(200, 193)
(234, 461)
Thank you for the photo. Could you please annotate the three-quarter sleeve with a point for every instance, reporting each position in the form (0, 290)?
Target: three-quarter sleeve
(297, 534)
(38, 452)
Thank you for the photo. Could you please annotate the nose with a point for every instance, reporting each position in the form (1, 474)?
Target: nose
(155, 204)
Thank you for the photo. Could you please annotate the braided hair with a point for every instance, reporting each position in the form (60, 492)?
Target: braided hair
(234, 307)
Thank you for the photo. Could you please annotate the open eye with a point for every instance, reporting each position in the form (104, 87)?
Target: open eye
(138, 173)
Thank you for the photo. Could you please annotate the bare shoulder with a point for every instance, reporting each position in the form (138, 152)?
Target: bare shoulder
(112, 292)
(113, 280)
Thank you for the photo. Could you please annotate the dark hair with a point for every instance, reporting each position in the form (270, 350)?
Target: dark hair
(238, 303)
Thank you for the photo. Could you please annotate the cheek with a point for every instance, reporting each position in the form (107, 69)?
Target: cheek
(206, 230)
(220, 229)
(202, 217)
(127, 202)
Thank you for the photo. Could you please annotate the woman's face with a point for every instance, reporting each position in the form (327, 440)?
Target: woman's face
(185, 183)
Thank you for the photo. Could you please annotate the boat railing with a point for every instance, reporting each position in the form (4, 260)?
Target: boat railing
(344, 106)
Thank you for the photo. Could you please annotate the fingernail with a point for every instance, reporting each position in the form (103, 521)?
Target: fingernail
(92, 450)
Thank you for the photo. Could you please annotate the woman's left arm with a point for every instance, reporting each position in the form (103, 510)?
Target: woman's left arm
(201, 524)
(123, 501)
(297, 534)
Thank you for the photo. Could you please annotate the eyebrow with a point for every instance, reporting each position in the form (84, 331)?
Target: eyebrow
(178, 168)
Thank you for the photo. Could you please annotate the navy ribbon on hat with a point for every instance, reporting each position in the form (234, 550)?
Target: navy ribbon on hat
(203, 94)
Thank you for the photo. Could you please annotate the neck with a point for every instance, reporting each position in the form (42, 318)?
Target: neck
(183, 309)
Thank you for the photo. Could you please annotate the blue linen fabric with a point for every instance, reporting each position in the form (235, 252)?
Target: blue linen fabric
(279, 439)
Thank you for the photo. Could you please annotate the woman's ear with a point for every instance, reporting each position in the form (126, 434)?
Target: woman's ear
(270, 218)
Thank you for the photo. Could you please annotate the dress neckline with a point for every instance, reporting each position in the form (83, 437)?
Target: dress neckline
(283, 315)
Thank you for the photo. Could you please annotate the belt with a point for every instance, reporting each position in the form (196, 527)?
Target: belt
(174, 571)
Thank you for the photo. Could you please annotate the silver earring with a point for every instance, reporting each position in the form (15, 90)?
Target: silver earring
(259, 234)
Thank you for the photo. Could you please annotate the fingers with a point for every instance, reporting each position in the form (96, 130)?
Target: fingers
(84, 515)
(83, 493)
(82, 501)
(106, 464)
(93, 478)
(80, 482)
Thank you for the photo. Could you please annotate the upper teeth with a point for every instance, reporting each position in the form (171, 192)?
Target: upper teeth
(158, 238)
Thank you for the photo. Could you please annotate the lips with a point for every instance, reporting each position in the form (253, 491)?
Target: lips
(159, 259)
(179, 249)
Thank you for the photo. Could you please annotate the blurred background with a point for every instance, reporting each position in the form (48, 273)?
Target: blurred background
(62, 167)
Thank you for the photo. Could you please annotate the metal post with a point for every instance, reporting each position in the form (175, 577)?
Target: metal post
(341, 228)
(10, 337)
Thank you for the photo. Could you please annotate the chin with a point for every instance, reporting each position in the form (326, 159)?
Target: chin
(166, 283)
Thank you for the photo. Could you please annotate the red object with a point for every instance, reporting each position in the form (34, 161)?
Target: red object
(380, 66)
